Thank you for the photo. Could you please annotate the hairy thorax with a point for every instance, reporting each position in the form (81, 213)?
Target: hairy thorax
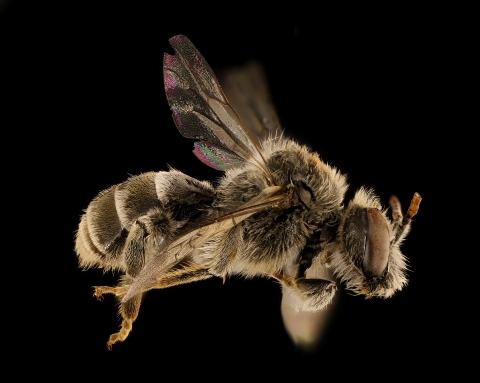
(267, 241)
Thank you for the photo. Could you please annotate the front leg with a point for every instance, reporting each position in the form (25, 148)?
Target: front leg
(308, 294)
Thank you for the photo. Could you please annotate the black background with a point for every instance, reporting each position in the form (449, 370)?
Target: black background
(85, 87)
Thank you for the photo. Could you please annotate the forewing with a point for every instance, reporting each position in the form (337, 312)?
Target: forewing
(201, 110)
(182, 247)
(247, 91)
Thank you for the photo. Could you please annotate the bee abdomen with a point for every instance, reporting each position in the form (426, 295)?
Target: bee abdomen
(104, 228)
(123, 222)
(135, 198)
(102, 220)
(87, 252)
(99, 237)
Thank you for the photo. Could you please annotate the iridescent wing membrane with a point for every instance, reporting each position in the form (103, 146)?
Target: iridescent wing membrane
(202, 112)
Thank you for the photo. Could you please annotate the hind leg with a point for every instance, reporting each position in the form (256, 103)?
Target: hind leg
(154, 225)
(129, 312)
(134, 256)
(129, 309)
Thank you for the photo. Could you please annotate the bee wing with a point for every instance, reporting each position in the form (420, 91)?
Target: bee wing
(184, 246)
(201, 110)
(247, 91)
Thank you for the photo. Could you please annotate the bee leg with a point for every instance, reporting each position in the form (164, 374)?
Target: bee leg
(308, 294)
(100, 290)
(134, 250)
(149, 234)
(129, 312)
(225, 252)
(129, 309)
(134, 256)
(157, 225)
(183, 275)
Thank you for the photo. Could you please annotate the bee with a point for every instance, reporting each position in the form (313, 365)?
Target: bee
(276, 212)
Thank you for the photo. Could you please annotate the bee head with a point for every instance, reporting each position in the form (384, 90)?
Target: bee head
(367, 255)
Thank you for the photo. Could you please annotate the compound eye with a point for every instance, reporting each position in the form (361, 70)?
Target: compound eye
(377, 244)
